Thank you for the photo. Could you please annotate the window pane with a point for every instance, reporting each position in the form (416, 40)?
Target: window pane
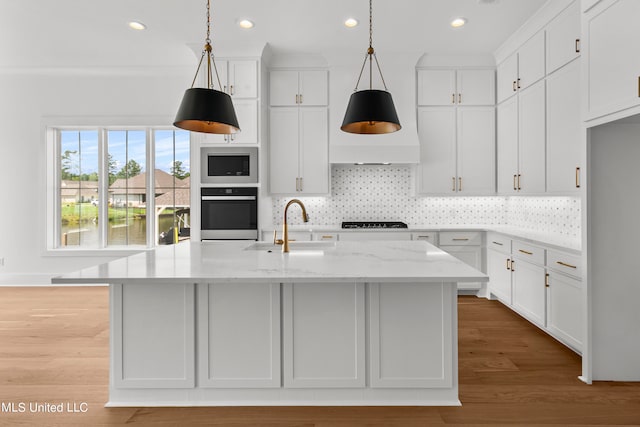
(127, 187)
(172, 183)
(79, 188)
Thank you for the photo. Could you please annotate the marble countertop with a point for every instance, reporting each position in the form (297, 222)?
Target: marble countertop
(371, 261)
(553, 240)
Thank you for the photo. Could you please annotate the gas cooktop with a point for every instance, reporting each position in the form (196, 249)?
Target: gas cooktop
(373, 224)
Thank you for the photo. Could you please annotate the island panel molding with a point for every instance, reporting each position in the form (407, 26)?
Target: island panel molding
(405, 353)
(154, 345)
(238, 335)
(324, 335)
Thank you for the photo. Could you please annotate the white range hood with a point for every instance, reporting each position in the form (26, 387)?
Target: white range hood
(399, 71)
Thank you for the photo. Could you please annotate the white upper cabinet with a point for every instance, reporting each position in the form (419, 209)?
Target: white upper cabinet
(613, 63)
(457, 154)
(456, 87)
(437, 134)
(522, 68)
(238, 77)
(299, 151)
(531, 61)
(531, 139)
(507, 146)
(563, 37)
(564, 130)
(247, 114)
(476, 87)
(521, 142)
(298, 88)
(507, 75)
(476, 150)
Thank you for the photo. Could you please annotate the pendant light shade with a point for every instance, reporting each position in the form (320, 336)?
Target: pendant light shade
(208, 111)
(371, 111)
(205, 109)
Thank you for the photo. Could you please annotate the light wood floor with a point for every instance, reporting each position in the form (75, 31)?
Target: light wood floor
(54, 348)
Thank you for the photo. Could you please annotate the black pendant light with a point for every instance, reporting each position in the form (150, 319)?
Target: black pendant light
(206, 109)
(370, 111)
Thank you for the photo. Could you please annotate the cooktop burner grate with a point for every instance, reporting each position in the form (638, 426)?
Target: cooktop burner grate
(373, 224)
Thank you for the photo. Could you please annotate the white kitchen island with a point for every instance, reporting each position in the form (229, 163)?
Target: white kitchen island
(241, 323)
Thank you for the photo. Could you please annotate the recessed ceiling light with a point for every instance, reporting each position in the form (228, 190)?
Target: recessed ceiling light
(136, 25)
(245, 23)
(458, 22)
(351, 22)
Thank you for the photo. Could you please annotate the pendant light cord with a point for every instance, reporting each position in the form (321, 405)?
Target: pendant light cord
(371, 55)
(208, 51)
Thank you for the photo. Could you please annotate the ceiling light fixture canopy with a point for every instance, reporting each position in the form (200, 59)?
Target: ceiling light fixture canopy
(370, 111)
(205, 109)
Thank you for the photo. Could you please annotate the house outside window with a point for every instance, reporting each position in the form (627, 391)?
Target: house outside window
(119, 187)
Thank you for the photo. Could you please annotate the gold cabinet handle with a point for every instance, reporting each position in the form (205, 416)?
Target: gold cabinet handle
(453, 187)
(497, 243)
(577, 45)
(565, 264)
(525, 252)
(459, 183)
(513, 264)
(297, 99)
(301, 101)
(301, 184)
(519, 188)
(423, 237)
(297, 184)
(231, 90)
(453, 98)
(514, 182)
(459, 98)
(638, 86)
(546, 280)
(460, 239)
(518, 83)
(224, 88)
(327, 237)
(514, 86)
(578, 177)
(508, 264)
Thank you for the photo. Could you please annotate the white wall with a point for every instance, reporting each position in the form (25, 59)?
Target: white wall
(29, 100)
(613, 235)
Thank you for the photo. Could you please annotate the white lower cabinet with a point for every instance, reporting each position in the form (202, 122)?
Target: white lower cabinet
(239, 335)
(529, 292)
(564, 309)
(499, 271)
(375, 235)
(541, 284)
(467, 247)
(324, 335)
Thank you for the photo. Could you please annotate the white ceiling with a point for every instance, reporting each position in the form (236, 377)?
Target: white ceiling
(92, 33)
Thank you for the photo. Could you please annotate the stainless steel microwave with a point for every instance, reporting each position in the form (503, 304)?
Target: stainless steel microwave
(229, 165)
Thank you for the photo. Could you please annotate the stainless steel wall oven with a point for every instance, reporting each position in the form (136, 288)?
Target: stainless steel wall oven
(229, 213)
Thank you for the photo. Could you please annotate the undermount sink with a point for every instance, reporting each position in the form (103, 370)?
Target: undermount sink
(293, 246)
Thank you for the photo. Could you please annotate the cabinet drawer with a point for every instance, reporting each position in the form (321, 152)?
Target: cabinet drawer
(527, 252)
(462, 238)
(499, 243)
(331, 237)
(429, 236)
(565, 263)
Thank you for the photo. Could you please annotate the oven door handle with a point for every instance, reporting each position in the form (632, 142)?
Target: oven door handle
(222, 198)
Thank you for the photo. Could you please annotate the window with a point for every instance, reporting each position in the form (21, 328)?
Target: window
(121, 187)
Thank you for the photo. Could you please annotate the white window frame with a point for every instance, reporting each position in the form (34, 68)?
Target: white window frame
(52, 129)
